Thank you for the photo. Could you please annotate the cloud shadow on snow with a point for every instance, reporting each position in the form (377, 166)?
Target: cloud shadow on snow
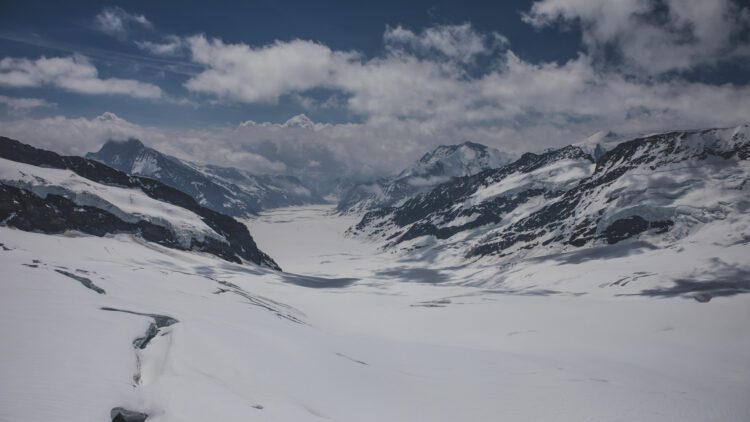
(418, 275)
(720, 280)
(618, 250)
(317, 282)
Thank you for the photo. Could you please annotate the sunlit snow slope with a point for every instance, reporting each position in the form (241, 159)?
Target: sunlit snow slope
(239, 343)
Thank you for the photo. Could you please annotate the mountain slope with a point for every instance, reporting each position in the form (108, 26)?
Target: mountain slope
(223, 189)
(663, 187)
(438, 166)
(42, 191)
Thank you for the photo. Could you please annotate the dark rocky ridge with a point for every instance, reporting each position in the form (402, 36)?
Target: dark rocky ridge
(650, 152)
(416, 212)
(571, 216)
(55, 214)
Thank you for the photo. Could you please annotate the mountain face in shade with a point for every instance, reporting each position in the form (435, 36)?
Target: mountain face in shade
(438, 166)
(45, 192)
(226, 190)
(661, 187)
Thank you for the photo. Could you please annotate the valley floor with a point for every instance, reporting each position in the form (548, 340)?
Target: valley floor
(349, 333)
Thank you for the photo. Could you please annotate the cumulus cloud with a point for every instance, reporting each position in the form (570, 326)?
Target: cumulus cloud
(575, 94)
(422, 84)
(260, 75)
(399, 85)
(75, 74)
(404, 82)
(654, 36)
(118, 23)
(426, 89)
(16, 105)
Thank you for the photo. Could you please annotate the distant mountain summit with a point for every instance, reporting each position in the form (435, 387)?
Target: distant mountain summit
(456, 160)
(438, 166)
(226, 190)
(599, 143)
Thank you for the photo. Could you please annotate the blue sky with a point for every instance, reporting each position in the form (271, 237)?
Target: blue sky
(378, 83)
(53, 29)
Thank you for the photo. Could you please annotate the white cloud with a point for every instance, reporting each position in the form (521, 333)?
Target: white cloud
(260, 75)
(455, 42)
(308, 102)
(77, 136)
(324, 151)
(298, 146)
(75, 74)
(424, 83)
(398, 85)
(17, 105)
(172, 45)
(74, 135)
(118, 23)
(575, 94)
(654, 36)
(423, 91)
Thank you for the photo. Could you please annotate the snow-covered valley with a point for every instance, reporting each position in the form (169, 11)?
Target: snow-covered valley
(446, 211)
(352, 333)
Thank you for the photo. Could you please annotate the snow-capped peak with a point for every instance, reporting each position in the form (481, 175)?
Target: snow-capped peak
(131, 156)
(598, 143)
(457, 160)
(300, 121)
(438, 166)
(467, 148)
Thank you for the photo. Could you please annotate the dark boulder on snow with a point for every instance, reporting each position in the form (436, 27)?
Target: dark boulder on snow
(119, 414)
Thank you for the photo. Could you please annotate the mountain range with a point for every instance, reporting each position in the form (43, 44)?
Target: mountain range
(435, 167)
(661, 187)
(226, 190)
(43, 191)
(464, 201)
